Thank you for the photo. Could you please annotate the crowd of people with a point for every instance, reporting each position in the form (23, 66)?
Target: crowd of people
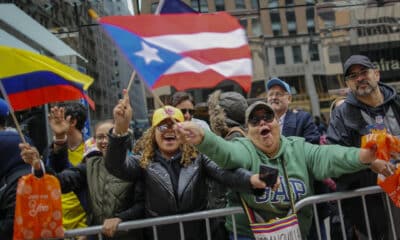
(182, 164)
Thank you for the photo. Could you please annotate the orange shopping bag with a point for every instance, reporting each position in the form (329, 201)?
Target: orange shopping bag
(38, 212)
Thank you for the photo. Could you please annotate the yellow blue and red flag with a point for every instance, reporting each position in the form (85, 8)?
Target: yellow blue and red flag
(183, 50)
(31, 79)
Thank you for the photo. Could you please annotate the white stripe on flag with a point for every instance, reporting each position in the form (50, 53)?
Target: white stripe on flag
(180, 43)
(237, 67)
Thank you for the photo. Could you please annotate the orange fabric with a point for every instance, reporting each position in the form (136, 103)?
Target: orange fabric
(391, 185)
(38, 212)
(386, 143)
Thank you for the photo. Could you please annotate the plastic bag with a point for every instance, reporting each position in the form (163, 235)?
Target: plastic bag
(38, 211)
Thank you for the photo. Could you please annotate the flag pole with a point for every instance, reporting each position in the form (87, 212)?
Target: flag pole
(17, 126)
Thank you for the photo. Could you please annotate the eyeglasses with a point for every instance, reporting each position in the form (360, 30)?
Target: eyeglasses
(187, 110)
(354, 75)
(276, 94)
(101, 137)
(165, 127)
(267, 117)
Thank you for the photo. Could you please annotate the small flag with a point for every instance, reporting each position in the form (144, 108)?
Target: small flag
(184, 50)
(31, 79)
(175, 6)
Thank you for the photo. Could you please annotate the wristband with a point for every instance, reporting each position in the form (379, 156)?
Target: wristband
(58, 141)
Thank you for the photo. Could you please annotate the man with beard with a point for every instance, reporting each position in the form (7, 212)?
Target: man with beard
(370, 104)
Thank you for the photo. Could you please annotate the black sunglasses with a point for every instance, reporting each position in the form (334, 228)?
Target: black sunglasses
(187, 110)
(267, 117)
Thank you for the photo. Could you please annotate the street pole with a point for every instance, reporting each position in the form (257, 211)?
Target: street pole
(310, 84)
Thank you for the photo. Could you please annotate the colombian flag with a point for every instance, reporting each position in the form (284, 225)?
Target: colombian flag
(31, 79)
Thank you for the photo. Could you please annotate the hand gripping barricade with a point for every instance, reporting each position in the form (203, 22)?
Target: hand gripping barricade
(38, 211)
(278, 227)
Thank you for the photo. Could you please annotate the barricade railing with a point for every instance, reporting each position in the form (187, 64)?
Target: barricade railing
(207, 215)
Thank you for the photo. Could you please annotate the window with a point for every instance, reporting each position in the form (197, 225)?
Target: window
(199, 5)
(279, 55)
(289, 2)
(255, 26)
(276, 23)
(297, 58)
(254, 4)
(219, 5)
(291, 23)
(273, 3)
(243, 22)
(154, 7)
(314, 53)
(334, 54)
(310, 19)
(266, 55)
(240, 4)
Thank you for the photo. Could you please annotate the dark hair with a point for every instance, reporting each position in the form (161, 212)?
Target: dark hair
(3, 120)
(77, 112)
(179, 97)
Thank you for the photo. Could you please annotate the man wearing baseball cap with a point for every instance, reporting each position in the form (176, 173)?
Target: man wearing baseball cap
(12, 167)
(370, 104)
(292, 122)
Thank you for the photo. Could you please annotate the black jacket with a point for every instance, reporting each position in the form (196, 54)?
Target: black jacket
(160, 196)
(301, 124)
(347, 126)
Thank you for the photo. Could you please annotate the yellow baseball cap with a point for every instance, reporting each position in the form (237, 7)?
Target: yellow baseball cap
(167, 112)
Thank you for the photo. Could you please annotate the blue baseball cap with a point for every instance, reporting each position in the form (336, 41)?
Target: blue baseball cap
(276, 81)
(4, 109)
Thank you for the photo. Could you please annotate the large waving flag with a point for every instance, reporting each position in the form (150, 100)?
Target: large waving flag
(31, 79)
(183, 50)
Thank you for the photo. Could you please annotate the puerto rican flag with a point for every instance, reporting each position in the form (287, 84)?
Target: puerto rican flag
(183, 50)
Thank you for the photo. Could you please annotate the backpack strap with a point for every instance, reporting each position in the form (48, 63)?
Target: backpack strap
(236, 129)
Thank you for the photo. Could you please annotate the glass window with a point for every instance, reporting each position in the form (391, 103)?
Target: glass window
(291, 23)
(243, 22)
(289, 2)
(154, 7)
(297, 57)
(276, 23)
(310, 19)
(220, 5)
(240, 4)
(199, 5)
(273, 3)
(256, 26)
(314, 53)
(279, 55)
(254, 4)
(334, 54)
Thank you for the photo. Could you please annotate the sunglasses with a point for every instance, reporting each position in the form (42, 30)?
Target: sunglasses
(355, 75)
(187, 110)
(267, 117)
(165, 127)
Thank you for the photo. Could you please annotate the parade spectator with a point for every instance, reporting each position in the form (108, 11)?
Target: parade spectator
(110, 200)
(67, 134)
(369, 104)
(226, 111)
(174, 174)
(185, 102)
(264, 144)
(292, 122)
(12, 168)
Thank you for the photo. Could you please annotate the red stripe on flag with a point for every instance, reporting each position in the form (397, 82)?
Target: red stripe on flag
(214, 55)
(207, 79)
(37, 97)
(166, 24)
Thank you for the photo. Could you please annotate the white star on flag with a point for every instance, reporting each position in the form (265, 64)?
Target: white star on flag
(148, 53)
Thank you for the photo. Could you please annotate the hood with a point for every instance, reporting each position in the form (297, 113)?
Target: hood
(226, 110)
(388, 94)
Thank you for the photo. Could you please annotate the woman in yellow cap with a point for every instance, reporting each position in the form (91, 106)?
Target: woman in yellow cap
(174, 174)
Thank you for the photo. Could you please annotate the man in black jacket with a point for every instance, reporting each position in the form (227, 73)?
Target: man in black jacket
(369, 104)
(12, 167)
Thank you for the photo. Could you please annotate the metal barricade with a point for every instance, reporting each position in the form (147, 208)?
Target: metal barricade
(206, 215)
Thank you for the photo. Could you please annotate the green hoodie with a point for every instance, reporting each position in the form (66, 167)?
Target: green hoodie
(304, 162)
